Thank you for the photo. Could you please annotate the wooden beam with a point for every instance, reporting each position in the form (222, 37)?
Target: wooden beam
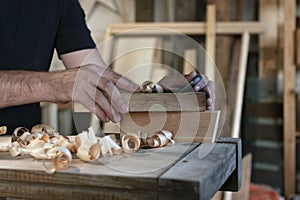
(192, 28)
(181, 171)
(269, 52)
(210, 42)
(243, 193)
(298, 47)
(236, 122)
(289, 104)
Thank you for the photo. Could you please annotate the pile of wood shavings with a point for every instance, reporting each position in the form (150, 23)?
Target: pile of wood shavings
(43, 142)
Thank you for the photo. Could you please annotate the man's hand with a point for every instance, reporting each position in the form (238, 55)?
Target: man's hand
(96, 85)
(97, 88)
(175, 83)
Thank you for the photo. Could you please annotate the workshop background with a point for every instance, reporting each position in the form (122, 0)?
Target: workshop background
(269, 121)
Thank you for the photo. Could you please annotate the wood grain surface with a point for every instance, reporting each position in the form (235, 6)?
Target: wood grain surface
(23, 177)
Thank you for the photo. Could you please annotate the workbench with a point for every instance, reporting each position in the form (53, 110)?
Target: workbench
(182, 171)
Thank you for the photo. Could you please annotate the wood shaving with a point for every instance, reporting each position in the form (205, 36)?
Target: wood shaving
(43, 142)
(149, 87)
(109, 146)
(130, 142)
(160, 139)
(3, 130)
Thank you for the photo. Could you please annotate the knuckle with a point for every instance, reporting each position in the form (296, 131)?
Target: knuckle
(106, 83)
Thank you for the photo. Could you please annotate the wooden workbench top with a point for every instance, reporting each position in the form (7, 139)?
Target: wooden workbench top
(171, 172)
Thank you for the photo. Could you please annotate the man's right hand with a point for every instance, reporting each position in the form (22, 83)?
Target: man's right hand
(97, 89)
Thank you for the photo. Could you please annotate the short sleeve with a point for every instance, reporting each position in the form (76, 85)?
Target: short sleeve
(73, 33)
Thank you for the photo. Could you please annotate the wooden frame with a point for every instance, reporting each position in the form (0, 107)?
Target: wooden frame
(189, 28)
(289, 97)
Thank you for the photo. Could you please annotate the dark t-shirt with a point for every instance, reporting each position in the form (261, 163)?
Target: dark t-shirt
(29, 32)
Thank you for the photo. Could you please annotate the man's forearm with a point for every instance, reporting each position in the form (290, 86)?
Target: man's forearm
(23, 87)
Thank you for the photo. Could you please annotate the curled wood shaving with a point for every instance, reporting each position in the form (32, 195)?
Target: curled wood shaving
(160, 139)
(149, 87)
(130, 142)
(87, 146)
(109, 146)
(3, 130)
(18, 132)
(61, 159)
(43, 128)
(45, 143)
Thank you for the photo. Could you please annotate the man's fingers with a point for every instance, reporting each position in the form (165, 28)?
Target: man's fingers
(109, 110)
(121, 81)
(189, 77)
(209, 89)
(113, 94)
(90, 104)
(202, 83)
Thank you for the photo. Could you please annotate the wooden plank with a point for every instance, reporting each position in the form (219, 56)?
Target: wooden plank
(186, 126)
(23, 177)
(289, 107)
(190, 60)
(240, 86)
(210, 41)
(194, 179)
(234, 182)
(269, 62)
(298, 47)
(159, 102)
(26, 179)
(243, 193)
(191, 28)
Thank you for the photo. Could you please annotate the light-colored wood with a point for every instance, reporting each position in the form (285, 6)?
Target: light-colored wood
(243, 193)
(218, 196)
(160, 102)
(224, 9)
(144, 174)
(210, 41)
(298, 47)
(236, 122)
(190, 60)
(269, 51)
(186, 126)
(289, 104)
(195, 28)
